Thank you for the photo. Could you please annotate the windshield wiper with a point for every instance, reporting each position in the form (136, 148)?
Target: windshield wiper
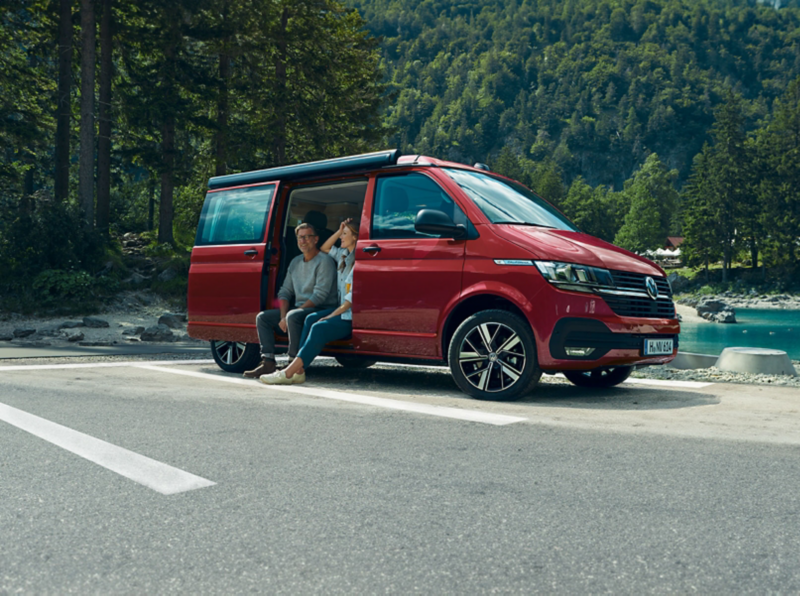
(524, 223)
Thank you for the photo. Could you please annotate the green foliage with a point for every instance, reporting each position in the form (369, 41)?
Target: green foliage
(51, 286)
(653, 200)
(777, 189)
(596, 211)
(595, 85)
(39, 234)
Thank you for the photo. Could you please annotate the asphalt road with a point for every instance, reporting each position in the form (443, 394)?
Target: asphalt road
(332, 488)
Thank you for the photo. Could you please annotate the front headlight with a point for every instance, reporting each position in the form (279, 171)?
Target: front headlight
(572, 276)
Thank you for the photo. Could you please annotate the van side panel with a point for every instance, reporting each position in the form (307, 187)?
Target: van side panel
(228, 264)
(224, 292)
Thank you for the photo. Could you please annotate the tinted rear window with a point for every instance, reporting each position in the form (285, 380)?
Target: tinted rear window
(235, 216)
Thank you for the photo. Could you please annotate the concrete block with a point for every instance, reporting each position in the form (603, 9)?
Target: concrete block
(756, 360)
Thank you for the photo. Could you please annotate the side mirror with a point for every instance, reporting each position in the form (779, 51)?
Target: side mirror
(437, 223)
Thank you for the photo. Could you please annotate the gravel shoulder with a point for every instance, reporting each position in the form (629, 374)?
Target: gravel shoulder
(123, 321)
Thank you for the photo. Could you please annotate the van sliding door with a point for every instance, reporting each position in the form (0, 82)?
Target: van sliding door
(228, 262)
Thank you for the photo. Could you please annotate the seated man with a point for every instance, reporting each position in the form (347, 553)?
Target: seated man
(310, 285)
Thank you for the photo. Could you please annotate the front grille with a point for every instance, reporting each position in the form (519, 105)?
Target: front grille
(626, 280)
(632, 306)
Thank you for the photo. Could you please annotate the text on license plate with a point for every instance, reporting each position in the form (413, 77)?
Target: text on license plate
(657, 347)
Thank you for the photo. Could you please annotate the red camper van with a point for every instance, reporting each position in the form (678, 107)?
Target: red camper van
(454, 264)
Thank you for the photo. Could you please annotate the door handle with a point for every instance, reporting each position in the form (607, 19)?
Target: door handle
(250, 253)
(373, 249)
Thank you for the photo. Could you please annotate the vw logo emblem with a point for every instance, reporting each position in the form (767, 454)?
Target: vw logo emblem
(651, 287)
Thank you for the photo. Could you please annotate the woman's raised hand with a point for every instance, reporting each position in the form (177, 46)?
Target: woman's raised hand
(344, 224)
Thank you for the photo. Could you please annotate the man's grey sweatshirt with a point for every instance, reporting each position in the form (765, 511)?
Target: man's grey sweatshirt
(313, 280)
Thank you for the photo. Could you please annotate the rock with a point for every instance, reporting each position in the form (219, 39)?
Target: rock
(172, 321)
(6, 336)
(167, 274)
(70, 324)
(711, 305)
(133, 331)
(678, 282)
(94, 322)
(158, 333)
(73, 336)
(107, 268)
(688, 301)
(144, 299)
(24, 332)
(725, 316)
(136, 279)
(50, 332)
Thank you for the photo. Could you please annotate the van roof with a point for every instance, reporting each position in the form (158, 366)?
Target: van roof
(338, 165)
(312, 168)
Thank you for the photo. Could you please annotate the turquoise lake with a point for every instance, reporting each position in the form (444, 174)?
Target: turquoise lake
(756, 328)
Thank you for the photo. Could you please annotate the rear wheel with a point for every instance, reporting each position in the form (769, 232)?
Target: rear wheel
(235, 356)
(493, 356)
(355, 361)
(603, 377)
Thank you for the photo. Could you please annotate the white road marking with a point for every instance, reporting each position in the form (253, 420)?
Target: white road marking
(149, 472)
(633, 381)
(668, 383)
(446, 412)
(98, 365)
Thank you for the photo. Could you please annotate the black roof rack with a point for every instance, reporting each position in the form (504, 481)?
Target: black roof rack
(313, 168)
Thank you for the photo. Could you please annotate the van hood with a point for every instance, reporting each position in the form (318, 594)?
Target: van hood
(574, 247)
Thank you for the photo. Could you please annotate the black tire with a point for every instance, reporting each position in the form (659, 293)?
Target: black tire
(355, 361)
(600, 377)
(234, 356)
(492, 356)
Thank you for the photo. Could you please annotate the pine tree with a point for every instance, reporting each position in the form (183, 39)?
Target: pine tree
(653, 201)
(702, 239)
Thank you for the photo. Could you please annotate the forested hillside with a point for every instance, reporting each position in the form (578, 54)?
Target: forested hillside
(594, 85)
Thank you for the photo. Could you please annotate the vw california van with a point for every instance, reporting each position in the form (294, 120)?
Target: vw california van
(454, 265)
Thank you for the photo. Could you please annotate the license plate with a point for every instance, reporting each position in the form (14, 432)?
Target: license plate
(657, 347)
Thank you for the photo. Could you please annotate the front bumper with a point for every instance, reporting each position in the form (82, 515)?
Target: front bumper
(571, 334)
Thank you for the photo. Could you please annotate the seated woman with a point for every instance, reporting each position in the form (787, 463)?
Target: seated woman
(325, 325)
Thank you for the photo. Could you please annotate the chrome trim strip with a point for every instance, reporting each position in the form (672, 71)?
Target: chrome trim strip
(513, 262)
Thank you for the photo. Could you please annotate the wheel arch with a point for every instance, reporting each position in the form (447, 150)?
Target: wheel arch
(476, 302)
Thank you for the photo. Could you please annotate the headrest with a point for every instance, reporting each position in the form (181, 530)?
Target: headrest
(317, 219)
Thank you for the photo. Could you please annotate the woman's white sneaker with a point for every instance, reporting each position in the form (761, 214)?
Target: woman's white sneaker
(279, 378)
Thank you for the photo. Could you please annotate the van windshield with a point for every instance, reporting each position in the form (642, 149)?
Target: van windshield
(505, 202)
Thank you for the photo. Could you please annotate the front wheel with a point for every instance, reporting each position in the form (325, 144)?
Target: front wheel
(599, 378)
(493, 356)
(235, 356)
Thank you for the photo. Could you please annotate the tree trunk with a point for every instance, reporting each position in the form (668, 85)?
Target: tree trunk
(104, 124)
(279, 144)
(63, 111)
(86, 165)
(151, 203)
(221, 136)
(165, 211)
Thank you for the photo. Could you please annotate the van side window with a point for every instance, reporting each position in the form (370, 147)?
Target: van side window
(235, 216)
(398, 199)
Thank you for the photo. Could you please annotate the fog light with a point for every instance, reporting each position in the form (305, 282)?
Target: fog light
(578, 351)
